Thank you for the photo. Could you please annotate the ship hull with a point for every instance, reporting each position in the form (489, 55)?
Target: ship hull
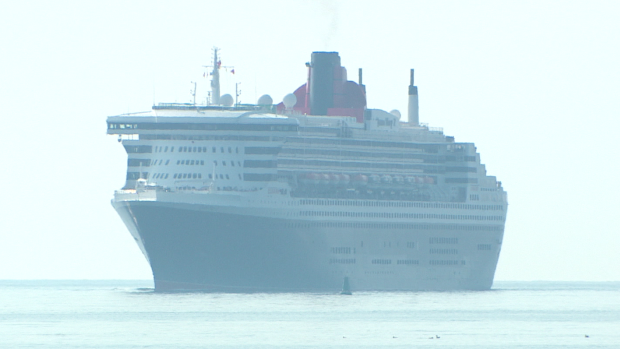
(194, 247)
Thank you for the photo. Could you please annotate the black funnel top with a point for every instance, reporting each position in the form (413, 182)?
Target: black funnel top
(322, 81)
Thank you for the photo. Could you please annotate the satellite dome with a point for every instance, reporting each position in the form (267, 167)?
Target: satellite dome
(227, 100)
(396, 113)
(289, 101)
(265, 100)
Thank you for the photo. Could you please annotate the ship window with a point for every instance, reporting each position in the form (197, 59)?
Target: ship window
(215, 162)
(237, 150)
(138, 148)
(189, 149)
(200, 175)
(221, 176)
(199, 149)
(232, 163)
(166, 176)
(227, 177)
(195, 149)
(229, 149)
(167, 162)
(202, 162)
(224, 163)
(240, 176)
(194, 175)
(166, 149)
(172, 149)
(185, 175)
(192, 162)
(221, 149)
(213, 150)
(204, 149)
(175, 176)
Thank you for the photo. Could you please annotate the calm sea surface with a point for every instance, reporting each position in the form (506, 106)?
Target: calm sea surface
(128, 314)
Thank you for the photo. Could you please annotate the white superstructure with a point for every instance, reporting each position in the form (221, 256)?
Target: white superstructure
(231, 198)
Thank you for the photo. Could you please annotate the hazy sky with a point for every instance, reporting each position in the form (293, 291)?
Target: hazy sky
(534, 84)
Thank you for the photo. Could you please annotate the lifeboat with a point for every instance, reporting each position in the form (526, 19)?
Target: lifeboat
(410, 179)
(312, 178)
(419, 179)
(345, 179)
(386, 179)
(429, 180)
(398, 179)
(323, 178)
(334, 179)
(375, 178)
(360, 180)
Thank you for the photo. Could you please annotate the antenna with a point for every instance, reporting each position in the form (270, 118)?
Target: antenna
(413, 113)
(237, 93)
(215, 73)
(193, 93)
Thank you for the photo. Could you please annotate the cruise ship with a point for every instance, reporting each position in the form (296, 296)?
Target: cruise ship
(306, 195)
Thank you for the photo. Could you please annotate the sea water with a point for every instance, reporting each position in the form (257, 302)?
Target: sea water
(128, 314)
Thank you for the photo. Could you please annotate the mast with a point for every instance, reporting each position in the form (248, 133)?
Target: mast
(215, 80)
(413, 114)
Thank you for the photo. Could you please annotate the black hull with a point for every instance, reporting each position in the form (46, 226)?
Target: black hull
(190, 247)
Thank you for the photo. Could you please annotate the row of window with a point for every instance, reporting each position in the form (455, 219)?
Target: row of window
(427, 148)
(341, 250)
(443, 251)
(352, 154)
(407, 262)
(484, 247)
(222, 176)
(201, 149)
(442, 240)
(181, 137)
(260, 163)
(438, 227)
(446, 262)
(187, 176)
(262, 150)
(190, 162)
(462, 180)
(373, 203)
(260, 177)
(342, 261)
(296, 163)
(204, 126)
(139, 162)
(398, 215)
(381, 261)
